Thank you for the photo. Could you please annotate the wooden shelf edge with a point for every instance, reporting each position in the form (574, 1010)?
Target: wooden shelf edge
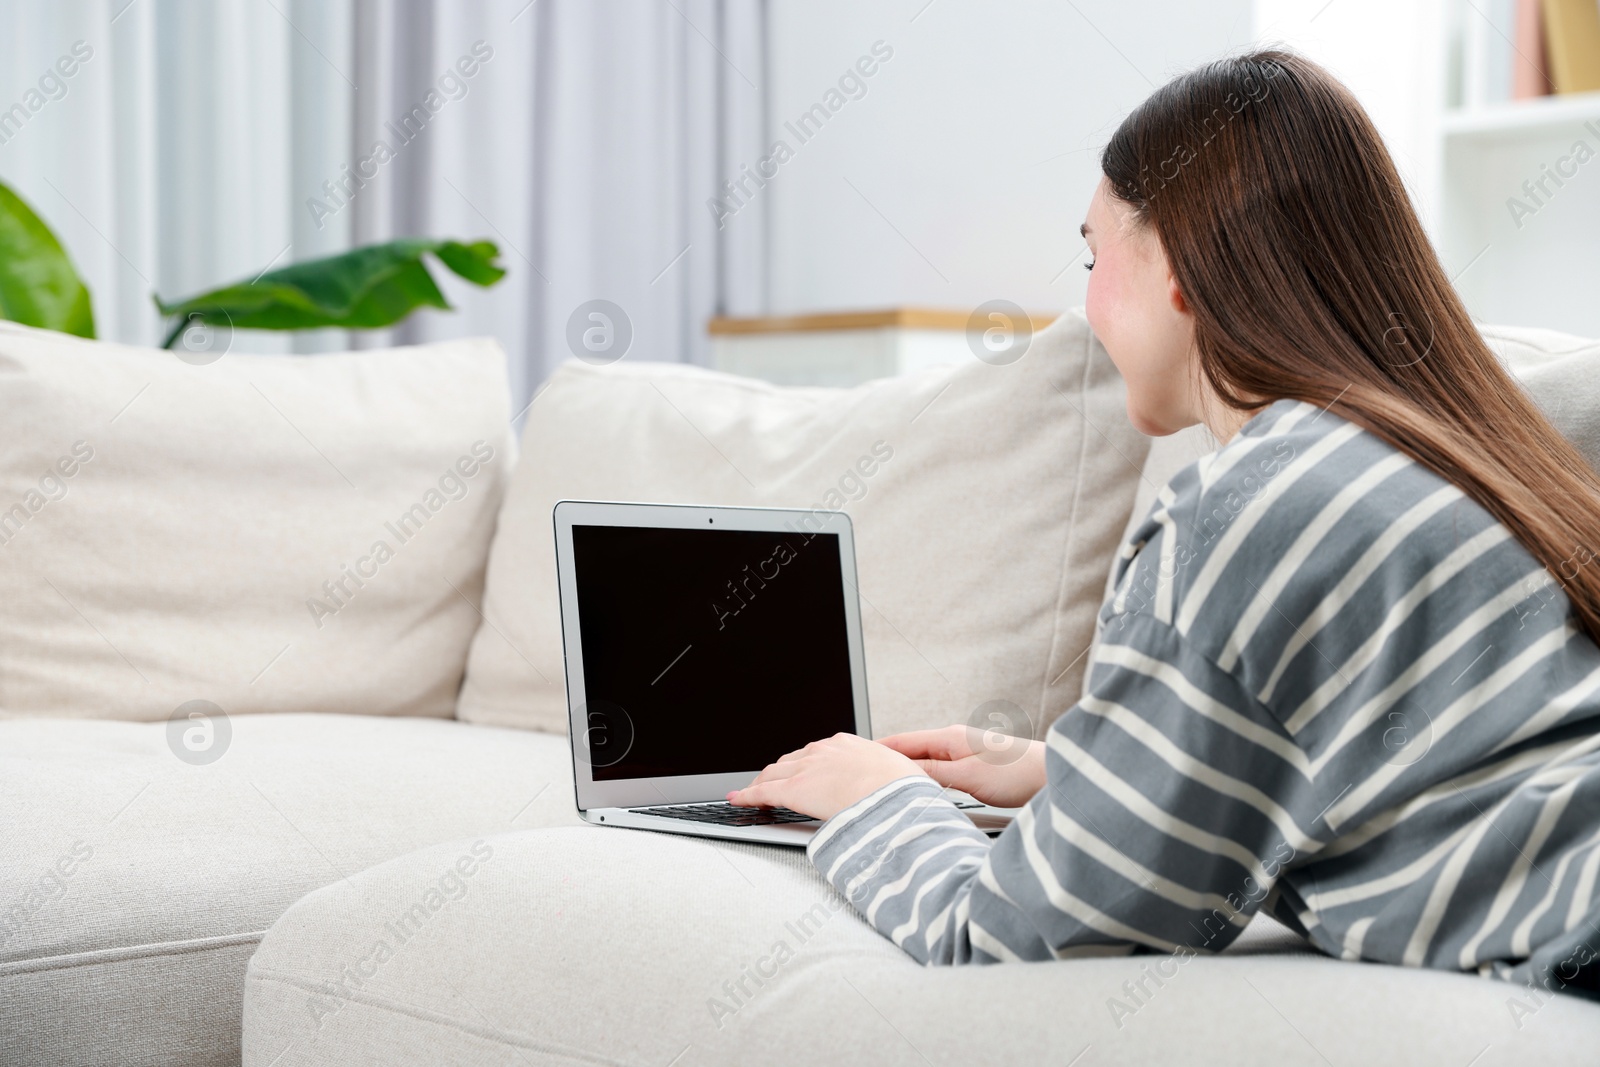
(887, 318)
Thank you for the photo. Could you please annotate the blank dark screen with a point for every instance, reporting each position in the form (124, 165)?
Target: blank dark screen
(723, 649)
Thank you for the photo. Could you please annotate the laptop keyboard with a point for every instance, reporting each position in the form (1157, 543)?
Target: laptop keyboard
(725, 814)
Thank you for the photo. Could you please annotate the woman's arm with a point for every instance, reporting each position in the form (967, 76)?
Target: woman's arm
(1172, 801)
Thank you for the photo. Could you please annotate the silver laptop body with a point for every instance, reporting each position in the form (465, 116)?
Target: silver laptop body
(702, 643)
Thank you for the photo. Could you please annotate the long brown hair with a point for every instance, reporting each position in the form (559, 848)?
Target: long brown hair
(1293, 241)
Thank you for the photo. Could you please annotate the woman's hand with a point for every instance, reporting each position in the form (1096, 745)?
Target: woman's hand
(992, 767)
(825, 777)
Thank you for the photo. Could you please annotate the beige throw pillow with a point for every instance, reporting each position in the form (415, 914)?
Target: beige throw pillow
(987, 501)
(265, 533)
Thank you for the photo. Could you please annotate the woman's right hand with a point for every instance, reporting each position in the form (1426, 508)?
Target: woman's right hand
(992, 767)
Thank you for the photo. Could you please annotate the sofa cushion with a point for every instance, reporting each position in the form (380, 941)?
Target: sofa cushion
(987, 500)
(173, 532)
(135, 886)
(1562, 374)
(599, 945)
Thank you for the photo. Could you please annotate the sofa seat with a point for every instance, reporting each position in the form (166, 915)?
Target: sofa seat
(592, 945)
(135, 886)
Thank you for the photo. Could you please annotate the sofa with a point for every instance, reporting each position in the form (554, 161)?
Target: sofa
(283, 769)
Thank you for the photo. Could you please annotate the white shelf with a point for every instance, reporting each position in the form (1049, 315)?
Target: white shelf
(1536, 116)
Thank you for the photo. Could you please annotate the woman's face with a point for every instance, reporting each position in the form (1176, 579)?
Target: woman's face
(1136, 310)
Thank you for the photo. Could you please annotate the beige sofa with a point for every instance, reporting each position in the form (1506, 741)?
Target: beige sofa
(270, 798)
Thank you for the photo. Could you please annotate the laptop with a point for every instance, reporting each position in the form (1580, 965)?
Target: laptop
(702, 643)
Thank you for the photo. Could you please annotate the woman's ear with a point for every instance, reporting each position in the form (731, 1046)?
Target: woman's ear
(1175, 296)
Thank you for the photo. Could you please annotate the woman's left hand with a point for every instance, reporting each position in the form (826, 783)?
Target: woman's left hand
(826, 776)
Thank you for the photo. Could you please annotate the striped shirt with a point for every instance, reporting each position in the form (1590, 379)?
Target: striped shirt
(1328, 684)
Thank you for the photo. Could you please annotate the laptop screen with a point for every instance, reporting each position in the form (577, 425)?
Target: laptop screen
(708, 651)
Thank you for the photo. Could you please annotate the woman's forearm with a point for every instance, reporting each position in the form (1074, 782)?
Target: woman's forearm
(908, 860)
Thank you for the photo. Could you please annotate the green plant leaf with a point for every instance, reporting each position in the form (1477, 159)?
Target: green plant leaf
(38, 285)
(362, 289)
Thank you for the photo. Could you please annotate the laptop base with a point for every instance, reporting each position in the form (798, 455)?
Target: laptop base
(797, 835)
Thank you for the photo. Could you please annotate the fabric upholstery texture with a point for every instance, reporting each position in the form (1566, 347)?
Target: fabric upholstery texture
(982, 538)
(172, 532)
(603, 946)
(1562, 374)
(134, 886)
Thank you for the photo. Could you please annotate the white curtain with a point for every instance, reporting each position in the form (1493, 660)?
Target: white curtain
(204, 143)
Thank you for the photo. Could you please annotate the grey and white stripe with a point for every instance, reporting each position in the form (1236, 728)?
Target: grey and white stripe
(1327, 683)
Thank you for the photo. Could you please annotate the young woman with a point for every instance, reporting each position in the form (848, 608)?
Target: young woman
(1349, 672)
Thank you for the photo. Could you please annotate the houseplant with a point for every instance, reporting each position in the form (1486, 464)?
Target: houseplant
(362, 289)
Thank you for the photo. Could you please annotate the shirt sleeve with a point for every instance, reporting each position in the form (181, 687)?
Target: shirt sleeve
(1173, 801)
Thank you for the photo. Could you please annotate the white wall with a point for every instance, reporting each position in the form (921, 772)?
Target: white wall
(975, 149)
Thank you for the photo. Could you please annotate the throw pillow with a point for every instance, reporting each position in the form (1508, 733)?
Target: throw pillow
(987, 499)
(260, 533)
